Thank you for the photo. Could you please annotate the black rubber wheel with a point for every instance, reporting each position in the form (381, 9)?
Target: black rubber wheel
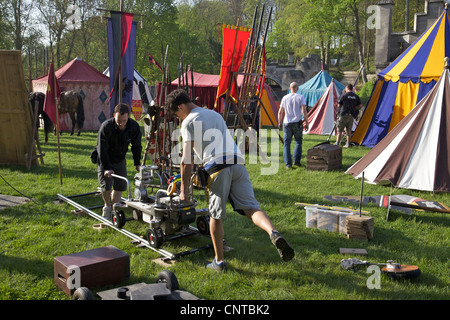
(203, 225)
(155, 237)
(118, 219)
(169, 278)
(405, 272)
(82, 293)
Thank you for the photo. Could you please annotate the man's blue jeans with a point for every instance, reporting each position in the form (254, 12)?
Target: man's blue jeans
(292, 129)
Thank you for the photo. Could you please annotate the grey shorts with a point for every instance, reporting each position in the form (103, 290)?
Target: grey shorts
(106, 184)
(232, 184)
(345, 122)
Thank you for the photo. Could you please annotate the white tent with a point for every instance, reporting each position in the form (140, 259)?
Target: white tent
(415, 154)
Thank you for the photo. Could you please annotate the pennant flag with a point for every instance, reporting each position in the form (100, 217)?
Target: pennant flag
(233, 49)
(121, 33)
(52, 91)
(153, 61)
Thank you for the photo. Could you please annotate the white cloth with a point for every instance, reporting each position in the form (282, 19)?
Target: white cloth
(292, 104)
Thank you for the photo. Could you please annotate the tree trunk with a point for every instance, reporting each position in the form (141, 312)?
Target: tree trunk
(359, 43)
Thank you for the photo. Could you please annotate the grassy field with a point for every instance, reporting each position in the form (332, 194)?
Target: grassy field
(33, 234)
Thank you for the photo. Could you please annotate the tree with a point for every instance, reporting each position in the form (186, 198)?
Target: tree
(350, 23)
(55, 16)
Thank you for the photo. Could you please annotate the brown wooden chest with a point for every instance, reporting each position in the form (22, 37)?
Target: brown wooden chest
(324, 157)
(92, 268)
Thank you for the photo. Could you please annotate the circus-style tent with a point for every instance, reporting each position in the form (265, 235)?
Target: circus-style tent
(93, 86)
(416, 153)
(401, 85)
(314, 88)
(323, 115)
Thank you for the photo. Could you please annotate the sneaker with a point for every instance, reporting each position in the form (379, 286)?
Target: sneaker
(336, 143)
(284, 249)
(347, 145)
(298, 164)
(217, 266)
(106, 212)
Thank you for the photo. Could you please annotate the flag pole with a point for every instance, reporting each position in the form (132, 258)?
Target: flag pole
(57, 122)
(121, 57)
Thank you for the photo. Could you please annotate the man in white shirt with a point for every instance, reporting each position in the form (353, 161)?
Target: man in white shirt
(205, 132)
(292, 107)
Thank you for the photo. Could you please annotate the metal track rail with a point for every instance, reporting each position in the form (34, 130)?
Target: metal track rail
(127, 233)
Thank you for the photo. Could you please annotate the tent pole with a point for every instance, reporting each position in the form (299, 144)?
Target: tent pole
(361, 195)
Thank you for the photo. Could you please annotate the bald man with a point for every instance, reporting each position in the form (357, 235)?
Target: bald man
(293, 109)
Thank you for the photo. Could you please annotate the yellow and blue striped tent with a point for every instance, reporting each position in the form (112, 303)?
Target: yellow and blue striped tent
(404, 83)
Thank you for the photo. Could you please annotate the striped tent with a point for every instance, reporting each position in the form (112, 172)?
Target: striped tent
(322, 116)
(416, 153)
(314, 88)
(404, 83)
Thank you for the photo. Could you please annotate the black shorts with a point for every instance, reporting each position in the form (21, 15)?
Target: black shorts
(119, 169)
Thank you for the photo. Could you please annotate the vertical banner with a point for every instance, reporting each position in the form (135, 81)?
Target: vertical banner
(233, 49)
(121, 32)
(53, 91)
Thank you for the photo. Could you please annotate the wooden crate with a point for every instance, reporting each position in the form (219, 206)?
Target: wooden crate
(324, 157)
(96, 268)
(360, 227)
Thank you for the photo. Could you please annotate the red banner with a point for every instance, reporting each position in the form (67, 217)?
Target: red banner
(52, 92)
(233, 49)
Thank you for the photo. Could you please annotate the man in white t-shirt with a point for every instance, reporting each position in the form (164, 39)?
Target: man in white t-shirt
(292, 107)
(206, 134)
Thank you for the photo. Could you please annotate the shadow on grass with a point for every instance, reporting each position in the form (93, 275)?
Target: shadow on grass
(29, 266)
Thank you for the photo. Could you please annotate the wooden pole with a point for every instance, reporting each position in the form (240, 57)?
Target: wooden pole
(121, 61)
(57, 122)
(230, 82)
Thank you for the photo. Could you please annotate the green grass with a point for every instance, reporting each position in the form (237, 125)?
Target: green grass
(32, 235)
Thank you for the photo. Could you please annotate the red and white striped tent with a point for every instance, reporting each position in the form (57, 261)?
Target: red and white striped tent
(415, 154)
(322, 116)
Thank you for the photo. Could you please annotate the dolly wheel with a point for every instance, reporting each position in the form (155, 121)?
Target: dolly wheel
(82, 293)
(404, 272)
(203, 224)
(169, 278)
(118, 219)
(155, 237)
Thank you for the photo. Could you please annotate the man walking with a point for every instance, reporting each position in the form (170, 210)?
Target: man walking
(348, 108)
(293, 108)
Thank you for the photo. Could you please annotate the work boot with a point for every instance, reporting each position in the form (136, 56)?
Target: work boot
(284, 249)
(106, 212)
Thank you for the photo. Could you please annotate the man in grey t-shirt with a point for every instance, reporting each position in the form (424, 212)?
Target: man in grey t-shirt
(205, 132)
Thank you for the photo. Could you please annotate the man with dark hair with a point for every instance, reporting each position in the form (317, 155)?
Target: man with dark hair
(114, 137)
(348, 108)
(205, 132)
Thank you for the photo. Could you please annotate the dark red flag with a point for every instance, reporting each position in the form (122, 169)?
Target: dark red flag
(52, 91)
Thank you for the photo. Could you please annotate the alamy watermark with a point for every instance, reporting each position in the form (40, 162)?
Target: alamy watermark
(74, 20)
(373, 281)
(373, 22)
